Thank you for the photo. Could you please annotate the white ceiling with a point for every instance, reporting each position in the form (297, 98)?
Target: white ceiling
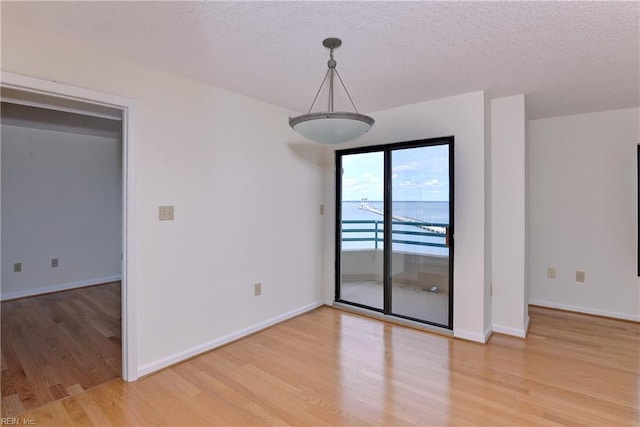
(567, 57)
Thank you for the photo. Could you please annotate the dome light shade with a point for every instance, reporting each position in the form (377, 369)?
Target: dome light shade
(331, 127)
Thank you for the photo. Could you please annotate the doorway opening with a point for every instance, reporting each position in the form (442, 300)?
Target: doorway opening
(62, 227)
(28, 91)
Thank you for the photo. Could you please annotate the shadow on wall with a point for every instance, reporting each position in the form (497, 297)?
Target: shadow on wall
(317, 154)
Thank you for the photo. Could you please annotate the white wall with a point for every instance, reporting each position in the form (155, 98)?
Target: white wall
(582, 212)
(246, 192)
(508, 144)
(61, 198)
(462, 116)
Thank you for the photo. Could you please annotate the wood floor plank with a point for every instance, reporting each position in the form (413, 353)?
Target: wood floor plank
(75, 411)
(11, 405)
(329, 367)
(51, 414)
(54, 345)
(231, 406)
(116, 406)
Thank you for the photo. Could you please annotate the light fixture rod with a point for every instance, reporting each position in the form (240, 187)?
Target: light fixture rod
(332, 68)
(318, 92)
(331, 90)
(331, 71)
(345, 89)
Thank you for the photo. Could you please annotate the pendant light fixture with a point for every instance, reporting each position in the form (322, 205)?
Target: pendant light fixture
(331, 127)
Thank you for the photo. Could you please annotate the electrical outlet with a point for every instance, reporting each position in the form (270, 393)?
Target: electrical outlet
(165, 213)
(580, 276)
(257, 289)
(551, 273)
(321, 209)
(17, 267)
(54, 262)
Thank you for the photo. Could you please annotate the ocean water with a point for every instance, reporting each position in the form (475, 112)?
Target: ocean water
(431, 212)
(436, 213)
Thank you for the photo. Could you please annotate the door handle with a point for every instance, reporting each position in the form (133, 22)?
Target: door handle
(447, 236)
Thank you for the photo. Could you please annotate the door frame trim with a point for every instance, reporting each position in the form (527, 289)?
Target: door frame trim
(129, 224)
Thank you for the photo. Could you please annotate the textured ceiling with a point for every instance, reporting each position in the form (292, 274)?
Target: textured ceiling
(567, 57)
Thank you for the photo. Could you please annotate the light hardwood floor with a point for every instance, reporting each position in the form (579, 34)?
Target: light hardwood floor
(329, 367)
(58, 345)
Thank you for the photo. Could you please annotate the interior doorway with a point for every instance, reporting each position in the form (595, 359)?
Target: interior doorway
(60, 97)
(62, 234)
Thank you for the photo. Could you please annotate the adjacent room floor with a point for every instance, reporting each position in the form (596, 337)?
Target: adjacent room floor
(58, 345)
(330, 367)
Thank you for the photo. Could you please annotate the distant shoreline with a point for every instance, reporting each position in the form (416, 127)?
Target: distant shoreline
(435, 229)
(397, 201)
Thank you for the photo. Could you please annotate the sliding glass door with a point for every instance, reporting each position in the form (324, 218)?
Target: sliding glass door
(394, 245)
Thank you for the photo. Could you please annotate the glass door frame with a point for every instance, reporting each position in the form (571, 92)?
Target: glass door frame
(387, 217)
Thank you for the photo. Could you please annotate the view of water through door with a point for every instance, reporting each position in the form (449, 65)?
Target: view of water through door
(395, 230)
(363, 229)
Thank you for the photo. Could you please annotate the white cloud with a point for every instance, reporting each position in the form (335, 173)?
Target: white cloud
(406, 167)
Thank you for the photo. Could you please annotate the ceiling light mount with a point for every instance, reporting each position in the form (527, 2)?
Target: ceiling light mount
(332, 43)
(331, 127)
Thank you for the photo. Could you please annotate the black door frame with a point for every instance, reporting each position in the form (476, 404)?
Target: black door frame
(387, 149)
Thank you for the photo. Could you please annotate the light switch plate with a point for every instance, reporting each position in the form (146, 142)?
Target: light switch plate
(165, 213)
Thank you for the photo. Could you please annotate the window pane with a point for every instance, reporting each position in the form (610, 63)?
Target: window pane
(420, 212)
(362, 229)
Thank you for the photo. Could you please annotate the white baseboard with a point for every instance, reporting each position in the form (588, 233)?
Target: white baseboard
(57, 288)
(586, 310)
(473, 336)
(520, 333)
(487, 334)
(203, 348)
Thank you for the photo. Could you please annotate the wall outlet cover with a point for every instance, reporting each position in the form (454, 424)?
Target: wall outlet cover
(165, 213)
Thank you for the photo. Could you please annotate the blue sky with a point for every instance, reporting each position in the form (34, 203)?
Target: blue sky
(420, 174)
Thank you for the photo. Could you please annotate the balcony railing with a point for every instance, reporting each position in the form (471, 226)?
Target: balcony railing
(374, 231)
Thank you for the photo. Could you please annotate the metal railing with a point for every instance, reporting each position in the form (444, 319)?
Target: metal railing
(425, 229)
